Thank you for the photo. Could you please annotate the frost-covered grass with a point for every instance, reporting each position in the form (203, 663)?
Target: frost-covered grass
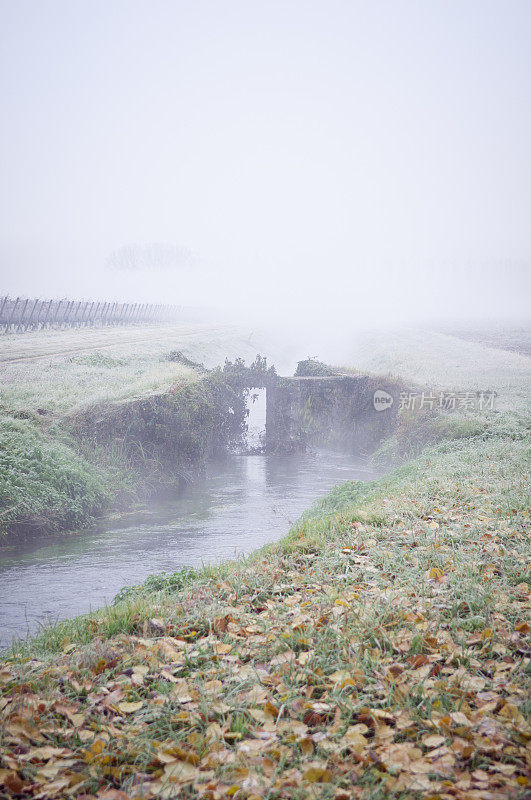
(380, 646)
(379, 650)
(439, 361)
(63, 371)
(44, 479)
(49, 479)
(457, 488)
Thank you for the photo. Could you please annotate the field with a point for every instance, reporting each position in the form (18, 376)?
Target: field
(380, 650)
(49, 479)
(441, 361)
(63, 371)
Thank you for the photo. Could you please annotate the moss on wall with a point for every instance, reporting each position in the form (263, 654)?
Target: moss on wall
(335, 412)
(173, 433)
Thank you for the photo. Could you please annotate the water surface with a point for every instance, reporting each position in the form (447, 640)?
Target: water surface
(243, 503)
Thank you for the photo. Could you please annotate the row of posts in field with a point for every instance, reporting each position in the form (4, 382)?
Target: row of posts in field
(22, 313)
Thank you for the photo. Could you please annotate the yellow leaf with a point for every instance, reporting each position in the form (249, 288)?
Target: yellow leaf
(433, 740)
(180, 772)
(317, 773)
(221, 649)
(354, 738)
(130, 708)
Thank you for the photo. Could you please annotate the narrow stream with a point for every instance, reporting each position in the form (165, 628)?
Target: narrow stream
(243, 503)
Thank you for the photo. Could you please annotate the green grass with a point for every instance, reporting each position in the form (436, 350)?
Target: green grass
(346, 618)
(417, 430)
(45, 480)
(52, 480)
(396, 607)
(481, 474)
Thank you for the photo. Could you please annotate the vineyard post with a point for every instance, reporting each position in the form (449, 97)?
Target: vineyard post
(75, 309)
(57, 312)
(68, 312)
(31, 312)
(20, 325)
(44, 321)
(64, 315)
(85, 310)
(80, 312)
(13, 310)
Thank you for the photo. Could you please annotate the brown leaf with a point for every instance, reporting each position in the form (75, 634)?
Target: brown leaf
(181, 772)
(14, 783)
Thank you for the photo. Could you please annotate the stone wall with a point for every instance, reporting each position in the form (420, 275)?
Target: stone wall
(337, 412)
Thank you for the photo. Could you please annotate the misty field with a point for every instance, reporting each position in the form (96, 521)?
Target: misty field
(381, 649)
(265, 441)
(436, 361)
(63, 371)
(50, 479)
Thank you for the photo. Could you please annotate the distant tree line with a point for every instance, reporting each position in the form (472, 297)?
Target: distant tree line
(153, 256)
(23, 313)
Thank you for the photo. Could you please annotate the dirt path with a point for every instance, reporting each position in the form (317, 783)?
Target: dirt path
(32, 347)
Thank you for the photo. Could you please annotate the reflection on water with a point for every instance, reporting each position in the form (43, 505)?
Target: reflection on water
(243, 503)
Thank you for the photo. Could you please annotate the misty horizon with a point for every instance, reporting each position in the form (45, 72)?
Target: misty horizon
(371, 160)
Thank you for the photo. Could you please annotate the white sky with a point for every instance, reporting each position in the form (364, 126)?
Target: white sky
(364, 156)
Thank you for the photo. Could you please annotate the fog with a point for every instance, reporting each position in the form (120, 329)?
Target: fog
(366, 161)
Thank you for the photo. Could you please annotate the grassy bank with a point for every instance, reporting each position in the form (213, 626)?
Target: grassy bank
(440, 361)
(51, 476)
(381, 649)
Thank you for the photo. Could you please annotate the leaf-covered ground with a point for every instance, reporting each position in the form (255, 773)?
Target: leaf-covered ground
(381, 650)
